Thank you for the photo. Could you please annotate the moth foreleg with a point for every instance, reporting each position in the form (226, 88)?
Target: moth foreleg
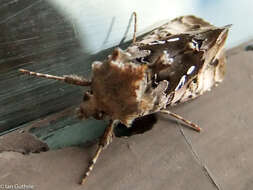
(187, 122)
(70, 79)
(105, 140)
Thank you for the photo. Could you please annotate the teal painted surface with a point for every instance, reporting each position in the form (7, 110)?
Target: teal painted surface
(69, 131)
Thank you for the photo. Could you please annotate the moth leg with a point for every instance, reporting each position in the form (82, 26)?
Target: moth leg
(105, 140)
(70, 79)
(135, 27)
(187, 122)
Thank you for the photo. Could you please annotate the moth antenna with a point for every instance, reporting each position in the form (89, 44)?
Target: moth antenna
(105, 140)
(135, 27)
(70, 79)
(187, 122)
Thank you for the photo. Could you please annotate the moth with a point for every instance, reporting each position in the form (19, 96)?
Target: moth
(174, 63)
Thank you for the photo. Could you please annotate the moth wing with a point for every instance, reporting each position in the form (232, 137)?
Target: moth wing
(183, 24)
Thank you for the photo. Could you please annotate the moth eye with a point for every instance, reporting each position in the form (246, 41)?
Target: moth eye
(195, 80)
(87, 95)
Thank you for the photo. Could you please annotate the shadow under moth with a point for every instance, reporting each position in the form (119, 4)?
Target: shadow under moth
(174, 63)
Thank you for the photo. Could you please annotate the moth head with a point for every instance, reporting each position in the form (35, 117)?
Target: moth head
(117, 87)
(89, 108)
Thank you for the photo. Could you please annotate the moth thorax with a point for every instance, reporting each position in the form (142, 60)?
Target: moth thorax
(117, 87)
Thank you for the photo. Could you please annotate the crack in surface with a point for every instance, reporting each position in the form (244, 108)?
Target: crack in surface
(200, 163)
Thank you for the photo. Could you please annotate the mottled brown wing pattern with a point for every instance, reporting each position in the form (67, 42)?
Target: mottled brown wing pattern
(182, 52)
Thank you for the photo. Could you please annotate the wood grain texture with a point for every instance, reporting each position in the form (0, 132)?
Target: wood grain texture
(34, 35)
